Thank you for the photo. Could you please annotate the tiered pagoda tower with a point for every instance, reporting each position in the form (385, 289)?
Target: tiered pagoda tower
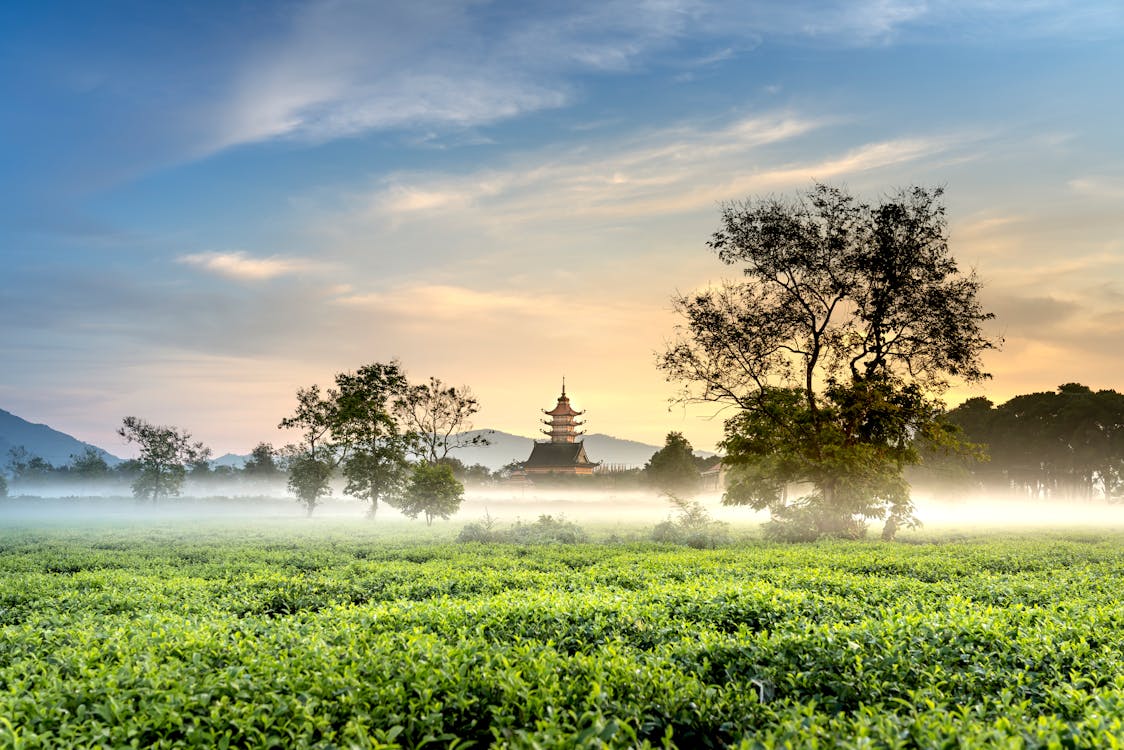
(563, 453)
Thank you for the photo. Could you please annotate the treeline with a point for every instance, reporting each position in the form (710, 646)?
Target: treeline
(1061, 445)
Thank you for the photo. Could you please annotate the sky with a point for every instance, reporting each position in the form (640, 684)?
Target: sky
(209, 205)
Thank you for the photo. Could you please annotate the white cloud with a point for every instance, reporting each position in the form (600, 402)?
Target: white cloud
(241, 266)
(673, 171)
(1098, 187)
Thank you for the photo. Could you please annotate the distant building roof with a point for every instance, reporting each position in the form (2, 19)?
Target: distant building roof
(557, 456)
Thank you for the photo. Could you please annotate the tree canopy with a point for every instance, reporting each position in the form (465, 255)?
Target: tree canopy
(165, 454)
(673, 468)
(849, 322)
(1067, 444)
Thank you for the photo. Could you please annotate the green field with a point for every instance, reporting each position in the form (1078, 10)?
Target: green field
(342, 635)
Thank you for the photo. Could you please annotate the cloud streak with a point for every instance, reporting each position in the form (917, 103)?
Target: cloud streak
(241, 266)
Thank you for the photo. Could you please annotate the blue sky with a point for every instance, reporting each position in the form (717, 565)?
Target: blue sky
(208, 205)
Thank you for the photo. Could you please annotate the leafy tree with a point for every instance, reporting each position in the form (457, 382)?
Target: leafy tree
(673, 468)
(439, 415)
(369, 435)
(262, 463)
(312, 461)
(88, 465)
(848, 325)
(1066, 444)
(432, 490)
(165, 453)
(3, 485)
(26, 467)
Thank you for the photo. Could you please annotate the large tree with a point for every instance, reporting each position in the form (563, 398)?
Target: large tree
(834, 348)
(165, 453)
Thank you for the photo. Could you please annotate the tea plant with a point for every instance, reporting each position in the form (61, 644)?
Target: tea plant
(338, 637)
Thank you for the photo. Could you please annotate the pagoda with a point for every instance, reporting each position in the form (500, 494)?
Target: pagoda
(563, 453)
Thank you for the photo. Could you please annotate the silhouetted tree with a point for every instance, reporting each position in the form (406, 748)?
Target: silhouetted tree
(849, 322)
(165, 453)
(1067, 444)
(262, 463)
(673, 468)
(440, 416)
(88, 465)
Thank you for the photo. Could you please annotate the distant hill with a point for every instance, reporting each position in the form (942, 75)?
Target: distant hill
(505, 448)
(40, 440)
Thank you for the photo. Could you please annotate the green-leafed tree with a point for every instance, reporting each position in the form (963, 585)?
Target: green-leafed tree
(673, 468)
(848, 324)
(311, 461)
(89, 465)
(3, 485)
(262, 463)
(165, 453)
(368, 434)
(432, 491)
(1066, 444)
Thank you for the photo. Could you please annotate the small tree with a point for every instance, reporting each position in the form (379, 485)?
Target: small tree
(262, 463)
(165, 453)
(312, 461)
(88, 465)
(309, 479)
(673, 468)
(432, 490)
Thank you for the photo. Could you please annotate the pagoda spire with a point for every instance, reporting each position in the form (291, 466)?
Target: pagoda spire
(562, 422)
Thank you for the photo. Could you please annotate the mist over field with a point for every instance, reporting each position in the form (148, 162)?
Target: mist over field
(603, 511)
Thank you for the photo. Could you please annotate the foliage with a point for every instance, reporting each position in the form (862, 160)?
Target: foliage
(165, 453)
(1067, 444)
(262, 463)
(673, 467)
(88, 465)
(691, 525)
(546, 529)
(166, 637)
(368, 434)
(3, 485)
(432, 491)
(25, 467)
(440, 416)
(851, 319)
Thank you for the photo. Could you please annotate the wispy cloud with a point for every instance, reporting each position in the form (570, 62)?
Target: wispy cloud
(1098, 187)
(346, 67)
(243, 267)
(674, 171)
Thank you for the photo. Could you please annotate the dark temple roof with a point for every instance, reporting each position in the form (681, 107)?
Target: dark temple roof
(557, 456)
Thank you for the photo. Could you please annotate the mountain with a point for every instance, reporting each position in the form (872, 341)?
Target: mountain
(233, 460)
(40, 440)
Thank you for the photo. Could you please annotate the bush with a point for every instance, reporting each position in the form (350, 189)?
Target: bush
(546, 530)
(691, 525)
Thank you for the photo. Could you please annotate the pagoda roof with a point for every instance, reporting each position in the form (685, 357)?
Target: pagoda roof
(563, 409)
(557, 456)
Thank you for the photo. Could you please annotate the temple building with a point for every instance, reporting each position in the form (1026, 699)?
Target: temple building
(563, 453)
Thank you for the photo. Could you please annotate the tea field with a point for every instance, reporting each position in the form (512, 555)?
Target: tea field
(340, 636)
